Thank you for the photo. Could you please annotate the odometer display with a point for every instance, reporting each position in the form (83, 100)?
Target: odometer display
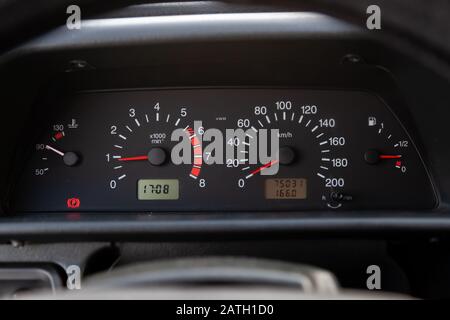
(158, 189)
(287, 188)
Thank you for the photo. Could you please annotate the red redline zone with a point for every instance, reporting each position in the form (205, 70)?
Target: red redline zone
(198, 153)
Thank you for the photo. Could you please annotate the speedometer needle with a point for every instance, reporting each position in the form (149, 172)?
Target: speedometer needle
(267, 165)
(137, 158)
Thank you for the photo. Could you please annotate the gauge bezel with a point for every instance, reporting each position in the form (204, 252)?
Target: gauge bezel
(271, 87)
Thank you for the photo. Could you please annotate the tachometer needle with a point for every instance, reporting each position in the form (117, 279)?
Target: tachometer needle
(54, 150)
(156, 157)
(138, 158)
(267, 165)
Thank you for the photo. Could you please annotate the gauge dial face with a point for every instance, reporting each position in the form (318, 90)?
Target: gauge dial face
(57, 161)
(224, 150)
(56, 151)
(141, 152)
(306, 153)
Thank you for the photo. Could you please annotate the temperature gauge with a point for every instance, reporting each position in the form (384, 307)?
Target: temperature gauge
(56, 150)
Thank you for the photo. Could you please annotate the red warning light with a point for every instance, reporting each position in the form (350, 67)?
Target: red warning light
(73, 203)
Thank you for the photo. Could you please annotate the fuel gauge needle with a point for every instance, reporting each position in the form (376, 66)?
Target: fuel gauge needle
(373, 156)
(389, 156)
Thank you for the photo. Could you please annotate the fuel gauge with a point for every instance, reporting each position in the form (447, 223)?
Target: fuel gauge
(390, 151)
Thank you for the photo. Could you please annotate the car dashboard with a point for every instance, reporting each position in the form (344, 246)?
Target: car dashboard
(261, 126)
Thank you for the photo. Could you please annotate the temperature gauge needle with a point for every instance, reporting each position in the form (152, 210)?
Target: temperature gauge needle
(137, 158)
(267, 165)
(54, 150)
(69, 158)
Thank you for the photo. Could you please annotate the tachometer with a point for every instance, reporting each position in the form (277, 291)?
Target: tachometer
(141, 152)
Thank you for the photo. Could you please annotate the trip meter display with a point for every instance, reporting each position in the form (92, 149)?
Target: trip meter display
(222, 150)
(285, 188)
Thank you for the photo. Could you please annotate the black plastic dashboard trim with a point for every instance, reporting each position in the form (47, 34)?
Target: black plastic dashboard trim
(175, 227)
(188, 28)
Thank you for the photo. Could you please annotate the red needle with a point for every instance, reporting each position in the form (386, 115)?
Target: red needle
(267, 165)
(134, 158)
(388, 156)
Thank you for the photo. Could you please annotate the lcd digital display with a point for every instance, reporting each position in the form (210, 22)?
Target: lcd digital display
(158, 189)
(286, 188)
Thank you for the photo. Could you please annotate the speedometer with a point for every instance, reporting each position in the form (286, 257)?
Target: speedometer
(307, 144)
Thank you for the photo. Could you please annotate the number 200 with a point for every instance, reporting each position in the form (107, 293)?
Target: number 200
(334, 182)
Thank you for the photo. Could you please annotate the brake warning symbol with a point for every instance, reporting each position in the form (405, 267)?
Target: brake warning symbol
(73, 203)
